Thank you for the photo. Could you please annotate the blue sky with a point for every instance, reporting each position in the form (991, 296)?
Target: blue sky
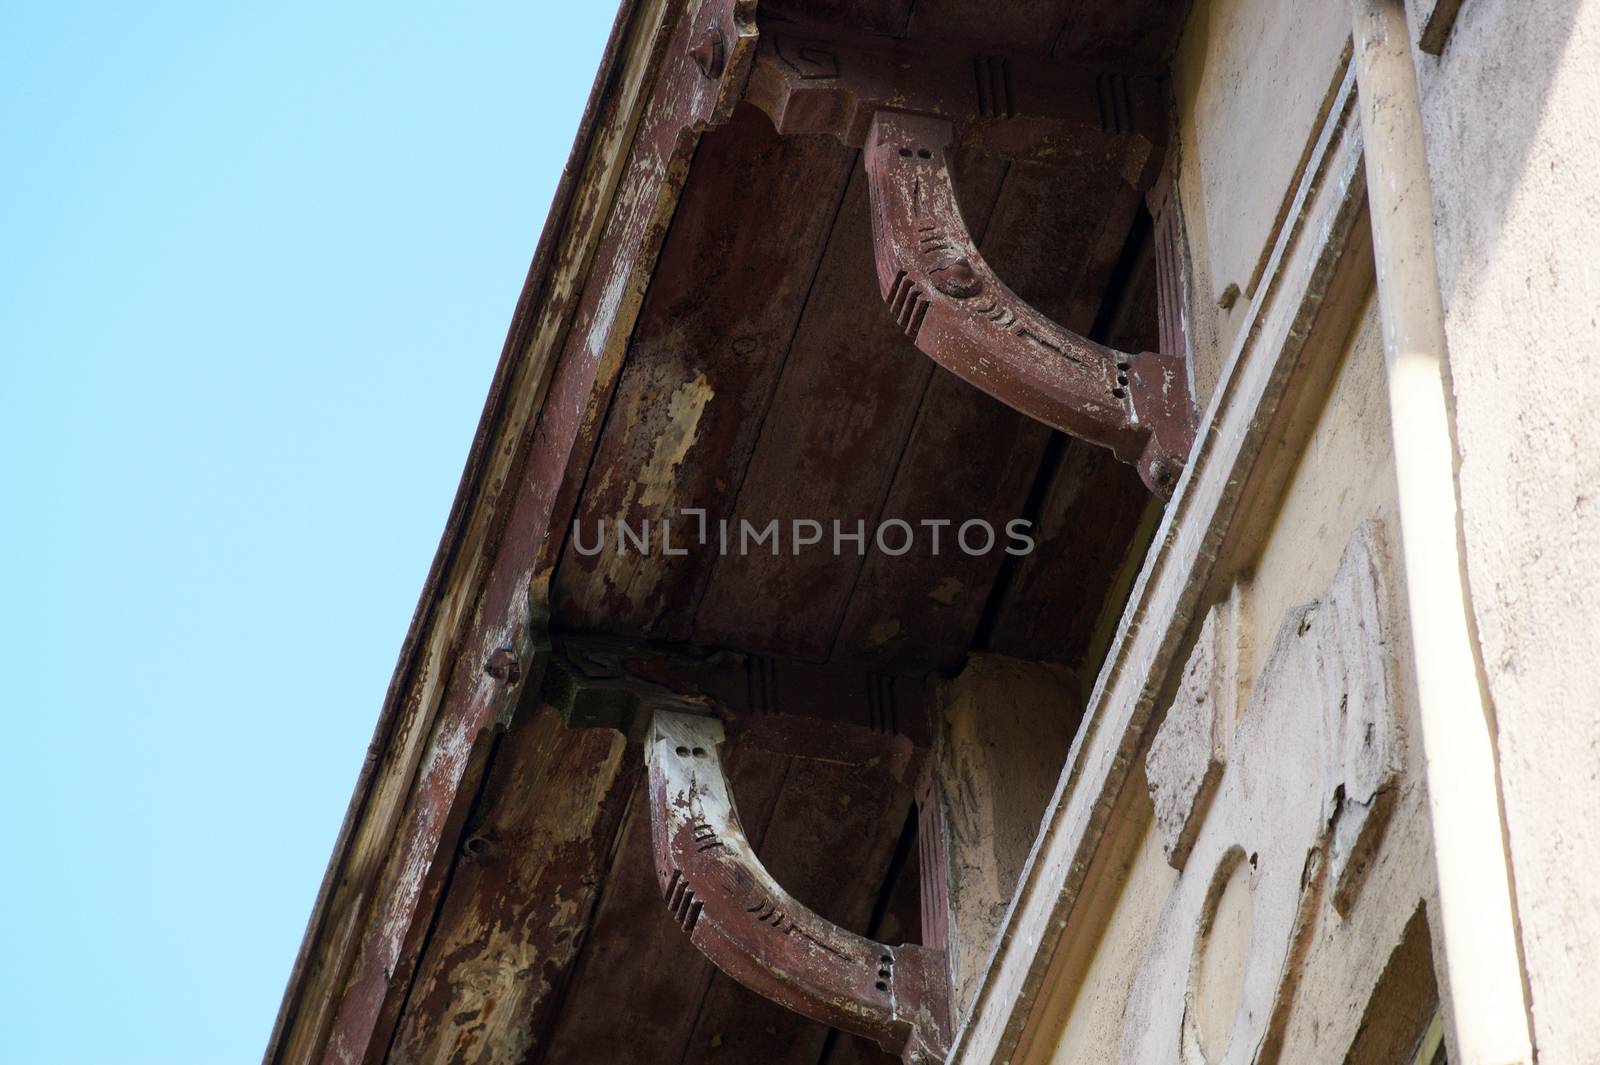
(256, 265)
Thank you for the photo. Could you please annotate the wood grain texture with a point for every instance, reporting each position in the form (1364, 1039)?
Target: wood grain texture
(520, 896)
(712, 338)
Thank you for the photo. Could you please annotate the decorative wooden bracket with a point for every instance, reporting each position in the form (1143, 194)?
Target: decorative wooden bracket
(906, 109)
(756, 932)
(954, 308)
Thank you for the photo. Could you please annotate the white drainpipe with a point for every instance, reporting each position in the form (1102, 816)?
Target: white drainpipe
(1483, 976)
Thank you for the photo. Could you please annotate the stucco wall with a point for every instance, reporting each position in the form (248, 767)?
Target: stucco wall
(1511, 110)
(1125, 1000)
(1514, 151)
(1093, 1021)
(1251, 87)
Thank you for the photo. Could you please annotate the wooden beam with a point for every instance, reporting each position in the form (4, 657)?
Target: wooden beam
(471, 651)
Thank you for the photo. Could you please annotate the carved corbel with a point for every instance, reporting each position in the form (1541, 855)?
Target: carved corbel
(907, 108)
(755, 931)
(956, 310)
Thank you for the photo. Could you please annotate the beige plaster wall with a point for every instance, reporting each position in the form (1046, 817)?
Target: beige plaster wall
(1514, 150)
(1095, 1005)
(1343, 481)
(1006, 725)
(1249, 84)
(1345, 476)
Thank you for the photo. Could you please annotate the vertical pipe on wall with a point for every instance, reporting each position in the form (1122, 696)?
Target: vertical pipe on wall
(1483, 973)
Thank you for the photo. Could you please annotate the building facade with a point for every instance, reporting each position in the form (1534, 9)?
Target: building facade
(1239, 352)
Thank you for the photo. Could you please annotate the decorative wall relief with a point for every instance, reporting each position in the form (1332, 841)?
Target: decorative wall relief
(1185, 761)
(1300, 796)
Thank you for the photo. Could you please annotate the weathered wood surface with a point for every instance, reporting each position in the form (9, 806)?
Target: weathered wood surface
(712, 337)
(1091, 505)
(534, 455)
(970, 457)
(367, 933)
(882, 17)
(636, 992)
(832, 835)
(520, 896)
(967, 457)
(642, 993)
(1140, 33)
(844, 406)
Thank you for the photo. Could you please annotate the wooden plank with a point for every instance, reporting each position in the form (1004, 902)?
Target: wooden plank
(1134, 35)
(1320, 270)
(970, 458)
(782, 705)
(1018, 27)
(711, 338)
(845, 404)
(1058, 231)
(519, 899)
(1059, 603)
(800, 737)
(887, 17)
(386, 921)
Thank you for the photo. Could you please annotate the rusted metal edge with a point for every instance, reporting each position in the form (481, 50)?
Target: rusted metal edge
(738, 916)
(471, 495)
(1316, 259)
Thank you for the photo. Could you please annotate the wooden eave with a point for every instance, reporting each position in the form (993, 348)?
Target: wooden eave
(667, 250)
(545, 307)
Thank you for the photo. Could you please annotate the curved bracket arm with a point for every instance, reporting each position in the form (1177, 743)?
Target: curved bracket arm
(756, 932)
(956, 310)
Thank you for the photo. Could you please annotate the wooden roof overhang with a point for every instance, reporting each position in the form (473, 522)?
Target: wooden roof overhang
(704, 329)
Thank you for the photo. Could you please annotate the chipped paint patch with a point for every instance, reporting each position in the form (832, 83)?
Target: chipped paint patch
(882, 632)
(658, 479)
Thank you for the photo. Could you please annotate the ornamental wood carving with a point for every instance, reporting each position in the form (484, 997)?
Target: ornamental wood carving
(732, 909)
(907, 110)
(956, 310)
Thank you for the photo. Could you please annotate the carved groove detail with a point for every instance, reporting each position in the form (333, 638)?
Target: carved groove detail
(992, 75)
(753, 930)
(761, 684)
(930, 240)
(882, 709)
(705, 838)
(682, 902)
(1113, 98)
(909, 304)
